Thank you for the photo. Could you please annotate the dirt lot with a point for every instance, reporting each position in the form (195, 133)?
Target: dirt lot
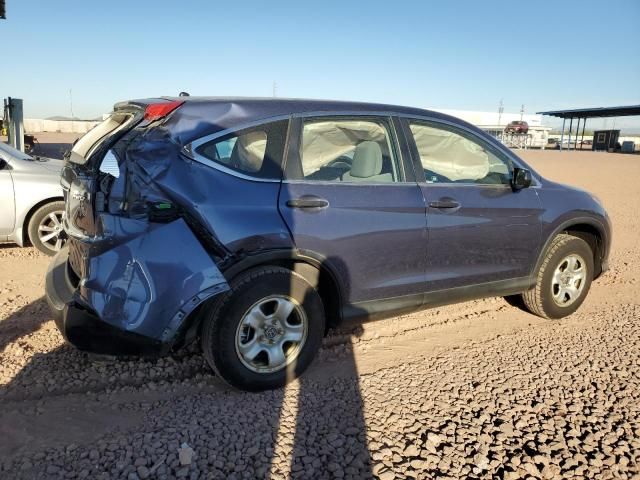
(479, 389)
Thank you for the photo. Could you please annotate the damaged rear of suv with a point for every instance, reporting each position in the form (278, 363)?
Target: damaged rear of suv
(150, 231)
(136, 264)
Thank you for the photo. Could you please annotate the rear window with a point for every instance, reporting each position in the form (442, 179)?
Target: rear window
(83, 147)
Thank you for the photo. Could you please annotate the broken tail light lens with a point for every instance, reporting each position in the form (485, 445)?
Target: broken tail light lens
(155, 111)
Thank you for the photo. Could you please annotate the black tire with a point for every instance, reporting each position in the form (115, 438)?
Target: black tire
(222, 322)
(539, 300)
(37, 218)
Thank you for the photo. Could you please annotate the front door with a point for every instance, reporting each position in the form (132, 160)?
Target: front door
(479, 229)
(348, 197)
(7, 203)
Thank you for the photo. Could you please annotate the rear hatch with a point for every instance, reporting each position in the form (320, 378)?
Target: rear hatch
(84, 181)
(93, 169)
(80, 175)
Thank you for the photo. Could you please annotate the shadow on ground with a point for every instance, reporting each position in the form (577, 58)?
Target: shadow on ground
(63, 413)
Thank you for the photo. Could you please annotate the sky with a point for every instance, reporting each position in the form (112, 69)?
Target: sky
(467, 55)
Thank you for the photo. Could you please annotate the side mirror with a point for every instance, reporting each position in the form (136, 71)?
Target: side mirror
(3, 163)
(521, 178)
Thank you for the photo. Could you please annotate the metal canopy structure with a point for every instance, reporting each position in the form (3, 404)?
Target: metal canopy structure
(584, 113)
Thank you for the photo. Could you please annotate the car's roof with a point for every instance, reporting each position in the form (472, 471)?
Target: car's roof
(220, 113)
(203, 116)
(273, 106)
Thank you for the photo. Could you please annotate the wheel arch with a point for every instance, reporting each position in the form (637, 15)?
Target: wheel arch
(312, 266)
(309, 265)
(23, 235)
(588, 229)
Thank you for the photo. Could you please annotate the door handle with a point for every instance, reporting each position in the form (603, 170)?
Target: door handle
(445, 203)
(308, 202)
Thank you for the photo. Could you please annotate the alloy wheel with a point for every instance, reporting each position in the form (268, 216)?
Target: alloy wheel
(51, 232)
(568, 280)
(271, 334)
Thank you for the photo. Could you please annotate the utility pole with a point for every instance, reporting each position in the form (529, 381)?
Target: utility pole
(15, 117)
(71, 102)
(521, 112)
(500, 110)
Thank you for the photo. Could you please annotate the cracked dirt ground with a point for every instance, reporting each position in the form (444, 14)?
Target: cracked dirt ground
(478, 389)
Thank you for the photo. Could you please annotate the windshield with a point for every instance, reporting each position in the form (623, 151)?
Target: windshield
(14, 153)
(83, 147)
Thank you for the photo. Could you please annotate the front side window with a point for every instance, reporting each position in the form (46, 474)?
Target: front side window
(255, 151)
(357, 150)
(449, 156)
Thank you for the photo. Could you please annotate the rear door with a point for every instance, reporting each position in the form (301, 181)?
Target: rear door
(480, 230)
(349, 195)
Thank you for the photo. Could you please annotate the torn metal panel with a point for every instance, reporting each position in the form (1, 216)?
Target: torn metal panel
(157, 171)
(149, 283)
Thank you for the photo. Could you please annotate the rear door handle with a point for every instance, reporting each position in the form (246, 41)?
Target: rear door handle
(308, 202)
(445, 203)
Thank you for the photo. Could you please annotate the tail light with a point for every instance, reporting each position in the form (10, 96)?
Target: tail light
(156, 111)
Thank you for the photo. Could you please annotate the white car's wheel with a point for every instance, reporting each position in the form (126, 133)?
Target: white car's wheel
(45, 228)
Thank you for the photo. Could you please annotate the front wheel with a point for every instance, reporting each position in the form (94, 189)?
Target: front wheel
(266, 331)
(564, 278)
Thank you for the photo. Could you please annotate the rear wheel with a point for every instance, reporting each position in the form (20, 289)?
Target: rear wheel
(45, 228)
(266, 330)
(564, 278)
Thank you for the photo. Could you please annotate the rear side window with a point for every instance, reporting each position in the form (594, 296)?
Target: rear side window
(448, 155)
(256, 151)
(358, 150)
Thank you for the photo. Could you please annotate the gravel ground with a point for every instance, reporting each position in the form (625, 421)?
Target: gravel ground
(475, 390)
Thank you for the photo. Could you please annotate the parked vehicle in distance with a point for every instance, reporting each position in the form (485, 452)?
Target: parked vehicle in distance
(517, 126)
(253, 225)
(31, 201)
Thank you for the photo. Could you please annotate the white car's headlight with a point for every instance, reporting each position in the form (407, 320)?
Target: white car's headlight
(109, 165)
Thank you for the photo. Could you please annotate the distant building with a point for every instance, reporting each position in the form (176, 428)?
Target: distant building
(605, 140)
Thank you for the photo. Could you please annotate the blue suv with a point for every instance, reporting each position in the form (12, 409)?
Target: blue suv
(254, 225)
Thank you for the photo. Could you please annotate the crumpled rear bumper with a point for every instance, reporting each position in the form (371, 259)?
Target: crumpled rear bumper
(133, 298)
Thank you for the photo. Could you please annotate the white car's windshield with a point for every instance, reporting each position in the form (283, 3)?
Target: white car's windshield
(14, 153)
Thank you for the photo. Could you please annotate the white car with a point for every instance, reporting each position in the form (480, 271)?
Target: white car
(31, 200)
